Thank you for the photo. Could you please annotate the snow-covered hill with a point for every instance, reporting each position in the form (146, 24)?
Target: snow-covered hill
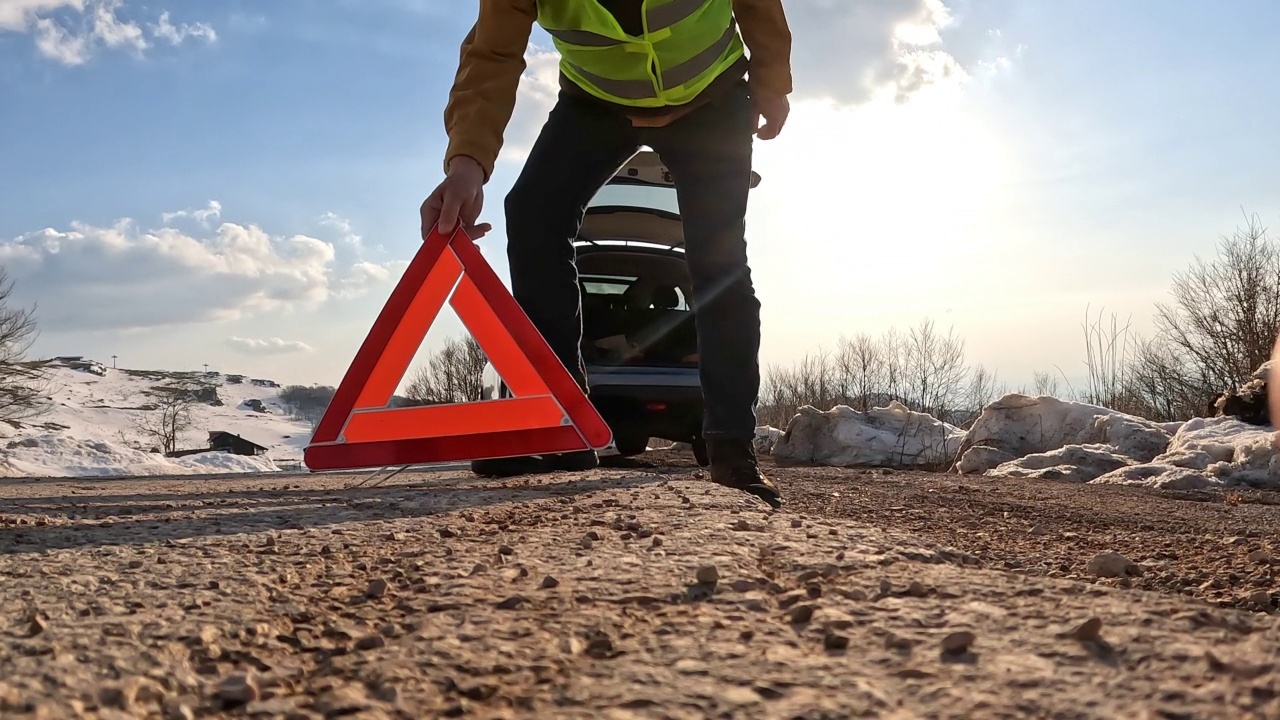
(91, 426)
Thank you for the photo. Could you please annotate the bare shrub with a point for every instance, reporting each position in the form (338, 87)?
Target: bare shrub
(860, 370)
(24, 384)
(172, 417)
(453, 374)
(934, 370)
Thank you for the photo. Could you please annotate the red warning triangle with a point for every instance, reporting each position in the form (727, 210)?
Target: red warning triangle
(549, 413)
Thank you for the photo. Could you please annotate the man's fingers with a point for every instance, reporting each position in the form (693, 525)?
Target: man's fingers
(449, 210)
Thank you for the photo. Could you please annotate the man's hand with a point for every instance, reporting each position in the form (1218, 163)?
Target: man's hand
(459, 198)
(774, 108)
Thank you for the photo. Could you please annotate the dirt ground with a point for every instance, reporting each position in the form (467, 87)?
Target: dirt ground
(636, 591)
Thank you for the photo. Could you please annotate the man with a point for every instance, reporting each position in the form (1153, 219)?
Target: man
(668, 74)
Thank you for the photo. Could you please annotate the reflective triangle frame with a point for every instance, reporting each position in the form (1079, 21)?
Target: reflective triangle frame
(549, 412)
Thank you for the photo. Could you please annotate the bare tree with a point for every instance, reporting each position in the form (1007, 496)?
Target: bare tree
(23, 383)
(935, 371)
(1045, 383)
(453, 374)
(984, 387)
(860, 368)
(1225, 312)
(172, 416)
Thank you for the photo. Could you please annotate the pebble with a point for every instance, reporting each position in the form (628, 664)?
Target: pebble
(135, 564)
(835, 641)
(238, 690)
(1260, 597)
(549, 582)
(370, 642)
(958, 642)
(797, 523)
(377, 588)
(1038, 529)
(179, 711)
(1112, 565)
(917, 589)
(802, 614)
(511, 603)
(506, 550)
(657, 541)
(1088, 631)
(586, 542)
(708, 574)
(1260, 557)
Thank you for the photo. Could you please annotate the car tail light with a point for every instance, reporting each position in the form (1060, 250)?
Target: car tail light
(656, 406)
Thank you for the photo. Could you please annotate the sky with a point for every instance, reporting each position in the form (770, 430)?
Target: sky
(237, 184)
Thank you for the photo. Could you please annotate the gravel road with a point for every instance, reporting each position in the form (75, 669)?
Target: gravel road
(636, 591)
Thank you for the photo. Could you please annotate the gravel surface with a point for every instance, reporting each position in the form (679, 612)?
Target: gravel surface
(637, 591)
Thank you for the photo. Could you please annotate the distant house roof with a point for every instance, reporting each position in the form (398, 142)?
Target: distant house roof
(215, 435)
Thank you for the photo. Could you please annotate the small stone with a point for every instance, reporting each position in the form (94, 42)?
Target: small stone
(135, 564)
(511, 603)
(446, 533)
(595, 535)
(886, 587)
(179, 711)
(835, 641)
(393, 536)
(600, 647)
(1112, 565)
(797, 523)
(1259, 557)
(657, 541)
(644, 533)
(708, 574)
(586, 542)
(856, 594)
(506, 550)
(1260, 597)
(958, 642)
(833, 531)
(238, 690)
(549, 582)
(479, 569)
(36, 624)
(916, 589)
(370, 642)
(1038, 529)
(1088, 631)
(377, 588)
(802, 614)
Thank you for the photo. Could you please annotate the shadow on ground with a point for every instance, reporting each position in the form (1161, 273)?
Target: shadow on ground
(59, 520)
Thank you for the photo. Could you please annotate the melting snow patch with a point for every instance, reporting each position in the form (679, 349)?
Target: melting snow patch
(58, 456)
(1046, 437)
(1208, 452)
(892, 436)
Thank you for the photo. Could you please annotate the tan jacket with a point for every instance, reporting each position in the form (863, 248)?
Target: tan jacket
(492, 62)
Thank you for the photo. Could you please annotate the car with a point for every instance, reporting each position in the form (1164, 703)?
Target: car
(639, 340)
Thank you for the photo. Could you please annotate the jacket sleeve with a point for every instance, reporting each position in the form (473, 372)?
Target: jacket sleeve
(767, 35)
(483, 96)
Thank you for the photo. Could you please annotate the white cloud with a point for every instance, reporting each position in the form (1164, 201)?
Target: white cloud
(87, 25)
(537, 94)
(126, 277)
(270, 346)
(178, 34)
(212, 211)
(343, 226)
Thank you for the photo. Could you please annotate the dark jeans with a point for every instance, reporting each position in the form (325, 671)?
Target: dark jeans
(708, 153)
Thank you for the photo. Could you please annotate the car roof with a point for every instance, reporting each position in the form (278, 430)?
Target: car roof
(637, 226)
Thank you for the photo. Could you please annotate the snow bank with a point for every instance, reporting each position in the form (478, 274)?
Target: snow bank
(1021, 436)
(1205, 453)
(892, 436)
(51, 455)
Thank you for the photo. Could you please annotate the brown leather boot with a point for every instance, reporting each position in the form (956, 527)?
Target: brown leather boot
(733, 464)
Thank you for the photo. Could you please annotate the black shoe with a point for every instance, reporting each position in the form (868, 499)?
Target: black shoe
(536, 464)
(733, 464)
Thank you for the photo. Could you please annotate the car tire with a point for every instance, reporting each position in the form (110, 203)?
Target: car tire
(631, 444)
(700, 452)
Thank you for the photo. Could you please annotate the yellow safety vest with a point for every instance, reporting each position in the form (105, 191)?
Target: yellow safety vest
(685, 45)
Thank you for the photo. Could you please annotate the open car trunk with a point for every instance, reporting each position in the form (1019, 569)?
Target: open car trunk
(635, 309)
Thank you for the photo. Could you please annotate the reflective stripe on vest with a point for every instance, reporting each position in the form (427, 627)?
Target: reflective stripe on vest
(671, 77)
(659, 18)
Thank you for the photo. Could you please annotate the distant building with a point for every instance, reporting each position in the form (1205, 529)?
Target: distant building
(265, 383)
(235, 379)
(234, 444)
